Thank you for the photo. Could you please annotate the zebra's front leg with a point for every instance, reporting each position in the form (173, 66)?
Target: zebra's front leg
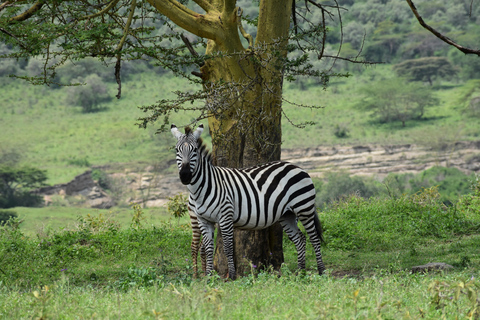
(208, 230)
(226, 227)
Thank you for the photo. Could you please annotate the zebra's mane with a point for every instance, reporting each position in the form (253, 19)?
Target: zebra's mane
(202, 148)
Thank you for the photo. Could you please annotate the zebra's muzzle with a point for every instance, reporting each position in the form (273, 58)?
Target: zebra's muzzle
(185, 174)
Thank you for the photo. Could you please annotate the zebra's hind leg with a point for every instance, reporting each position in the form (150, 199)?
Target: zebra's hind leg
(196, 236)
(289, 224)
(314, 231)
(203, 257)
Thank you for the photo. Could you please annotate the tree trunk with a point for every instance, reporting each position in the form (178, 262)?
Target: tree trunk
(244, 101)
(248, 131)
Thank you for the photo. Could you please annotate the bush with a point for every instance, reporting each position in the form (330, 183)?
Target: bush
(357, 223)
(16, 184)
(469, 204)
(338, 185)
(451, 183)
(6, 215)
(177, 205)
(89, 96)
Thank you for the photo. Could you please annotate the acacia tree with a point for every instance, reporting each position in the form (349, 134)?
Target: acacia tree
(240, 77)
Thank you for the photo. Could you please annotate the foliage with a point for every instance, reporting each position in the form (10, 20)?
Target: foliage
(340, 185)
(177, 205)
(90, 96)
(395, 100)
(16, 184)
(98, 272)
(32, 261)
(469, 204)
(341, 130)
(138, 217)
(6, 215)
(102, 179)
(375, 224)
(451, 183)
(425, 69)
(387, 296)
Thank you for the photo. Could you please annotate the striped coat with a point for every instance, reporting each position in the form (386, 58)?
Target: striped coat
(252, 198)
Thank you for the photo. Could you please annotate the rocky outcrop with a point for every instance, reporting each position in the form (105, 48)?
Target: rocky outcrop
(381, 160)
(82, 185)
(152, 189)
(432, 266)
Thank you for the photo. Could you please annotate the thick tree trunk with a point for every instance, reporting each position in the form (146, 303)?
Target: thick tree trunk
(251, 135)
(245, 95)
(247, 132)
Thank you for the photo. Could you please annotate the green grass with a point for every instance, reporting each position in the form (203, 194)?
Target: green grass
(49, 219)
(105, 269)
(266, 297)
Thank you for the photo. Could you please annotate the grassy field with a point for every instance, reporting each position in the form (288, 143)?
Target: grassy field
(46, 220)
(106, 269)
(77, 263)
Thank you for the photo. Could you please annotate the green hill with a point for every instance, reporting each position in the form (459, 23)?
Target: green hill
(41, 127)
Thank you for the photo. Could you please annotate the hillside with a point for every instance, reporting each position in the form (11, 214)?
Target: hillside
(69, 130)
(39, 126)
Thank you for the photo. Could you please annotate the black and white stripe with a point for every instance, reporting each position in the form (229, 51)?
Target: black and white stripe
(252, 198)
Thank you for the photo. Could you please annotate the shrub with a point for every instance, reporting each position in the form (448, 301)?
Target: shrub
(6, 215)
(177, 205)
(469, 204)
(338, 185)
(16, 184)
(357, 223)
(89, 96)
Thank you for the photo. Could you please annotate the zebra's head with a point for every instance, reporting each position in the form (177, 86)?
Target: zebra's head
(187, 151)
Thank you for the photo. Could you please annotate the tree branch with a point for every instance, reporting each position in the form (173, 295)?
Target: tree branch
(242, 30)
(30, 12)
(438, 34)
(99, 13)
(204, 26)
(120, 46)
(5, 4)
(14, 37)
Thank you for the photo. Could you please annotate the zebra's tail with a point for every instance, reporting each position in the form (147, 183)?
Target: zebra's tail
(318, 227)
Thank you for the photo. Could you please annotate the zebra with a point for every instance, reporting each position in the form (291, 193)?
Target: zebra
(252, 198)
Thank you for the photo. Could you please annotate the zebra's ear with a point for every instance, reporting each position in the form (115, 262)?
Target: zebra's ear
(198, 132)
(176, 133)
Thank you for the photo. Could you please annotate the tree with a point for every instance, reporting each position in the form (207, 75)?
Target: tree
(439, 35)
(89, 96)
(241, 74)
(16, 184)
(395, 100)
(425, 69)
(240, 78)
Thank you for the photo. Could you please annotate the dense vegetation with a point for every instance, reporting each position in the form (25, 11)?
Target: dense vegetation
(368, 252)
